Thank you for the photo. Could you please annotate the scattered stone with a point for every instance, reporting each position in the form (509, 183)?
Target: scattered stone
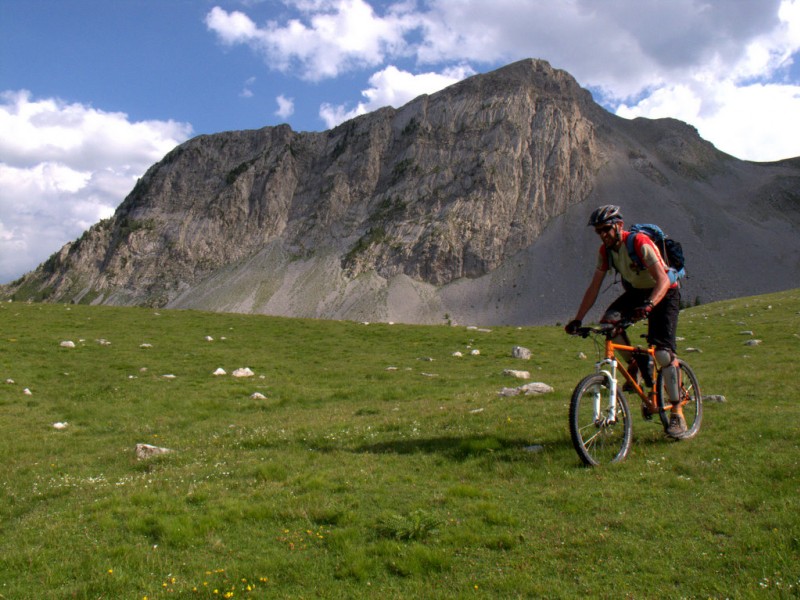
(168, 376)
(67, 344)
(144, 451)
(258, 396)
(209, 338)
(475, 352)
(715, 398)
(219, 371)
(582, 356)
(521, 353)
(693, 350)
(27, 392)
(517, 374)
(103, 342)
(429, 374)
(391, 368)
(752, 342)
(60, 426)
(243, 372)
(746, 332)
(475, 411)
(11, 381)
(529, 389)
(457, 354)
(145, 345)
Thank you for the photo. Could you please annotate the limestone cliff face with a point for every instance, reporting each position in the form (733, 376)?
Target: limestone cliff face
(403, 214)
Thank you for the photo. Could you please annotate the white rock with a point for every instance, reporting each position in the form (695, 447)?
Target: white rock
(144, 451)
(10, 381)
(715, 398)
(168, 376)
(60, 425)
(581, 356)
(67, 344)
(752, 342)
(243, 372)
(258, 396)
(103, 342)
(475, 352)
(27, 392)
(517, 374)
(219, 371)
(694, 350)
(528, 389)
(209, 338)
(457, 354)
(145, 345)
(521, 352)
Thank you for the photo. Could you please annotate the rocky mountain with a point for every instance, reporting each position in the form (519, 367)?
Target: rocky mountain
(467, 205)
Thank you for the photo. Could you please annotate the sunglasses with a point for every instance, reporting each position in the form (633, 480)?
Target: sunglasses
(604, 229)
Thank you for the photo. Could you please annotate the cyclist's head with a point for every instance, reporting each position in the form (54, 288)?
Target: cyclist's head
(605, 215)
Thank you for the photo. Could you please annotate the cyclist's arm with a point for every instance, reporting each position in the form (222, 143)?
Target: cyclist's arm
(591, 293)
(656, 270)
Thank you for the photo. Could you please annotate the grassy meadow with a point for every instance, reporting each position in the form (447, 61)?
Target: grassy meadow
(379, 465)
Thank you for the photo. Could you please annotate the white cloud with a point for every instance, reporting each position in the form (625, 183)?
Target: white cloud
(331, 37)
(247, 91)
(63, 167)
(394, 87)
(735, 105)
(285, 106)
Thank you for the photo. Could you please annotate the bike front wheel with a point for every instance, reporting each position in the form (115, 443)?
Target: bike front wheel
(599, 436)
(691, 400)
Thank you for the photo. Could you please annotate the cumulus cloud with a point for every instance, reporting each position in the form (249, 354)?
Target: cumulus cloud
(393, 87)
(338, 35)
(285, 107)
(63, 167)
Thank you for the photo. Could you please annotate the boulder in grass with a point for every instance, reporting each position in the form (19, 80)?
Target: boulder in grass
(145, 451)
(243, 372)
(67, 344)
(521, 353)
(517, 374)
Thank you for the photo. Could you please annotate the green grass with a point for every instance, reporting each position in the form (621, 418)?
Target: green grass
(355, 480)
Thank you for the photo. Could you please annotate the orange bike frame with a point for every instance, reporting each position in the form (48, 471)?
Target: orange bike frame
(610, 355)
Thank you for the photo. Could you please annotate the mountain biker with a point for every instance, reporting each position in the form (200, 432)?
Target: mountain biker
(648, 294)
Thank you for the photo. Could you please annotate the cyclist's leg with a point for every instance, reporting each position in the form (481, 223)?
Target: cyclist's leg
(621, 309)
(662, 329)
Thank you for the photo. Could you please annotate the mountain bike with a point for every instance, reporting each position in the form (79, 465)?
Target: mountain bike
(599, 416)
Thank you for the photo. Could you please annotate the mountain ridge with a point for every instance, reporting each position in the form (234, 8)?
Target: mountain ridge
(464, 205)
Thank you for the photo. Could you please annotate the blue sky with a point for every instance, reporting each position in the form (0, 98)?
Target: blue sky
(93, 92)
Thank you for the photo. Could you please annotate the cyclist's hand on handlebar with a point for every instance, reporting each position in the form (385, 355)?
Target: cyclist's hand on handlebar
(573, 326)
(642, 312)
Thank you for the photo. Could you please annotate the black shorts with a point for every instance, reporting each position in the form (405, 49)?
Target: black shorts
(662, 324)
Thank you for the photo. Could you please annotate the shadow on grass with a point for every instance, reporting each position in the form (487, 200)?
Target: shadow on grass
(464, 448)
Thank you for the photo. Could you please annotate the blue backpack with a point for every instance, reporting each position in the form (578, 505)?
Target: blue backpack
(671, 251)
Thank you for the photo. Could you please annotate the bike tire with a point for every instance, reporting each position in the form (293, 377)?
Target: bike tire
(598, 443)
(690, 395)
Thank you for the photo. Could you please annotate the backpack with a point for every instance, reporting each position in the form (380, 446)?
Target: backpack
(671, 251)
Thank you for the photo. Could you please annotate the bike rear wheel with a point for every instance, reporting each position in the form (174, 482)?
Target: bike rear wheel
(691, 399)
(598, 438)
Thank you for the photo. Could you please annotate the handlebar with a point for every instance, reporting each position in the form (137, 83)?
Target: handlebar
(609, 330)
